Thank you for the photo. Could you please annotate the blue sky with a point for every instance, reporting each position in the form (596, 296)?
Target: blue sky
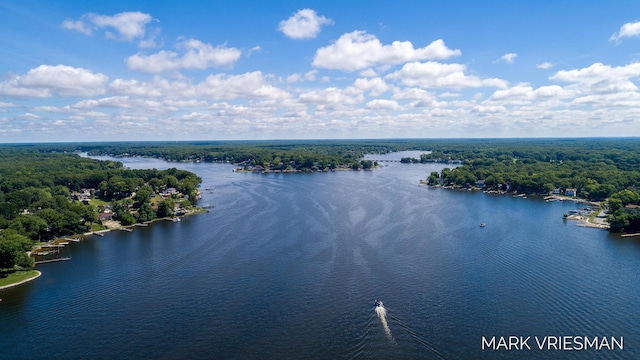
(226, 70)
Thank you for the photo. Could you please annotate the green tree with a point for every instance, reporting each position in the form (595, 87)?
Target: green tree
(146, 212)
(29, 225)
(619, 221)
(143, 195)
(165, 208)
(433, 178)
(13, 247)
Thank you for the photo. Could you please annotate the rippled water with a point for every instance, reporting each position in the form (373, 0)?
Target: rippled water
(289, 265)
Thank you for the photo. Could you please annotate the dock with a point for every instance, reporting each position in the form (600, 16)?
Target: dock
(630, 235)
(52, 260)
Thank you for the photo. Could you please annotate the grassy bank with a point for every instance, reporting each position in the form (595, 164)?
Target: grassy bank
(14, 277)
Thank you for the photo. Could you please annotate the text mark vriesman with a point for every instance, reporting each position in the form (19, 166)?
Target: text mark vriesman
(561, 343)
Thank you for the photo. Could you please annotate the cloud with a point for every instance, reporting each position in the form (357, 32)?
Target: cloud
(368, 73)
(600, 78)
(508, 58)
(545, 65)
(438, 75)
(382, 104)
(488, 110)
(333, 96)
(249, 85)
(127, 25)
(523, 94)
(197, 55)
(375, 86)
(358, 50)
(47, 81)
(256, 48)
(77, 25)
(627, 30)
(308, 76)
(30, 116)
(304, 24)
(417, 97)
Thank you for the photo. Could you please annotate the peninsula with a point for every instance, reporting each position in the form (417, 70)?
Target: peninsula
(48, 194)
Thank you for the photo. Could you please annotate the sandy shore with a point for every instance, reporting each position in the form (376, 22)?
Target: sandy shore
(22, 282)
(584, 222)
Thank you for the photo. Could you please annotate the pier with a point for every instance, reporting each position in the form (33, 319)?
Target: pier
(52, 260)
(630, 235)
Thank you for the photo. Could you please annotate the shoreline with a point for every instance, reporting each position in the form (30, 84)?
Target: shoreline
(61, 242)
(39, 273)
(582, 221)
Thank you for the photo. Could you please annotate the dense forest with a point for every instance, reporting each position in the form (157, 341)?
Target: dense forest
(44, 195)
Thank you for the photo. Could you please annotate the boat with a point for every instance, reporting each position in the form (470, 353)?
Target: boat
(482, 225)
(378, 303)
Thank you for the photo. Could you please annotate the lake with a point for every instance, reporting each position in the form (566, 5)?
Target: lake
(287, 266)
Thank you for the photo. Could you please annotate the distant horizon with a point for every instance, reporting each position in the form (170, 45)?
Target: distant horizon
(320, 140)
(147, 71)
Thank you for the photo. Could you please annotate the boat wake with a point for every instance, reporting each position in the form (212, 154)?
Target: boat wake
(382, 315)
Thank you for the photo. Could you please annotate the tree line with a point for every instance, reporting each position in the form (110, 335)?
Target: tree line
(599, 169)
(39, 196)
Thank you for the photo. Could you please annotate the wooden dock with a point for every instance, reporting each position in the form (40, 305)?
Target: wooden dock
(52, 260)
(630, 235)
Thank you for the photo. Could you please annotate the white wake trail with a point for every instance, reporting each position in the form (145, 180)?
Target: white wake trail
(382, 314)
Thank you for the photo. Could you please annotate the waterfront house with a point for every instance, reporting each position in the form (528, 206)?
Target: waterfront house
(105, 216)
(571, 192)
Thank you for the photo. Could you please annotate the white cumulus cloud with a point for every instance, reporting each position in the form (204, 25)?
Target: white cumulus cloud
(249, 85)
(438, 75)
(332, 95)
(304, 24)
(127, 25)
(627, 30)
(358, 50)
(375, 86)
(47, 81)
(196, 55)
(508, 58)
(545, 65)
(600, 78)
(383, 104)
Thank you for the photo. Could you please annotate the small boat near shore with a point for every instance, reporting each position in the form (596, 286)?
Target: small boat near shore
(378, 303)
